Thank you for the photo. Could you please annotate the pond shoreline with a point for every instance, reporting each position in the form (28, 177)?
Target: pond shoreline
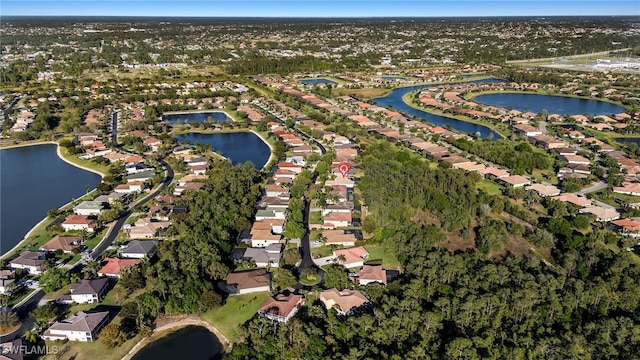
(177, 324)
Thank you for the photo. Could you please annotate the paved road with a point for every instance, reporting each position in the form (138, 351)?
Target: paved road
(543, 127)
(593, 188)
(108, 240)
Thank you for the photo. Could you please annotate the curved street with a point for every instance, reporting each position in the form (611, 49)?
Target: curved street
(113, 232)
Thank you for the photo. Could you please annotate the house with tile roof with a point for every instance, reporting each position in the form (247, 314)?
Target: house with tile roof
(80, 327)
(371, 274)
(627, 227)
(86, 291)
(281, 307)
(351, 257)
(112, 266)
(79, 222)
(137, 249)
(65, 243)
(32, 261)
(345, 302)
(247, 282)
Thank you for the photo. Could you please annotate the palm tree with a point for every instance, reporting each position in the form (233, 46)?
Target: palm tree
(8, 319)
(31, 336)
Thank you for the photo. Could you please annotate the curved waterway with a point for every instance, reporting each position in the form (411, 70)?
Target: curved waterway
(237, 147)
(34, 180)
(553, 104)
(394, 99)
(192, 343)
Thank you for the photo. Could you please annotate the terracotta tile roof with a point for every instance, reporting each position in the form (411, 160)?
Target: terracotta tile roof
(344, 301)
(113, 265)
(280, 305)
(373, 273)
(249, 279)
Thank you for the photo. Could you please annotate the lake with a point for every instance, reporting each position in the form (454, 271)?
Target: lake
(196, 117)
(562, 105)
(393, 78)
(317, 81)
(394, 99)
(237, 147)
(33, 181)
(189, 343)
(630, 140)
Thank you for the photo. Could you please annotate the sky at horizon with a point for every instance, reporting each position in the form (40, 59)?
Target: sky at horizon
(317, 8)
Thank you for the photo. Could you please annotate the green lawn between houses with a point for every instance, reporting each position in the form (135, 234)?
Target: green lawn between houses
(236, 311)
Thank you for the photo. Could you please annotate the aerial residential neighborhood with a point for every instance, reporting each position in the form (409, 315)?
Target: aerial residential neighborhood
(456, 187)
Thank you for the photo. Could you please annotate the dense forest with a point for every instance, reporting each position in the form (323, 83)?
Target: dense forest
(183, 277)
(461, 304)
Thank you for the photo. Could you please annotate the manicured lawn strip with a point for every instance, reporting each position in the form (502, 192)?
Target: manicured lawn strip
(321, 251)
(379, 252)
(91, 350)
(315, 217)
(490, 187)
(238, 309)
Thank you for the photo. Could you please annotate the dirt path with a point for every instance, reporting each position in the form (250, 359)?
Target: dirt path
(174, 323)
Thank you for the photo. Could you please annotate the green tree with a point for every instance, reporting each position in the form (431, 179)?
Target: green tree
(282, 279)
(336, 277)
(54, 279)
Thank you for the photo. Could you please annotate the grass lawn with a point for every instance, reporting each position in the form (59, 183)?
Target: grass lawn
(91, 350)
(315, 217)
(378, 252)
(490, 187)
(23, 294)
(93, 241)
(235, 312)
(321, 251)
(86, 163)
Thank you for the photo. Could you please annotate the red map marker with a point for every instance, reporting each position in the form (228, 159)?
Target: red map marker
(344, 169)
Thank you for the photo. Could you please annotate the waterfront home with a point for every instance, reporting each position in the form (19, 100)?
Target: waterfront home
(66, 244)
(88, 208)
(113, 198)
(345, 302)
(86, 292)
(137, 249)
(247, 282)
(80, 327)
(112, 266)
(351, 257)
(79, 222)
(32, 261)
(372, 274)
(281, 307)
